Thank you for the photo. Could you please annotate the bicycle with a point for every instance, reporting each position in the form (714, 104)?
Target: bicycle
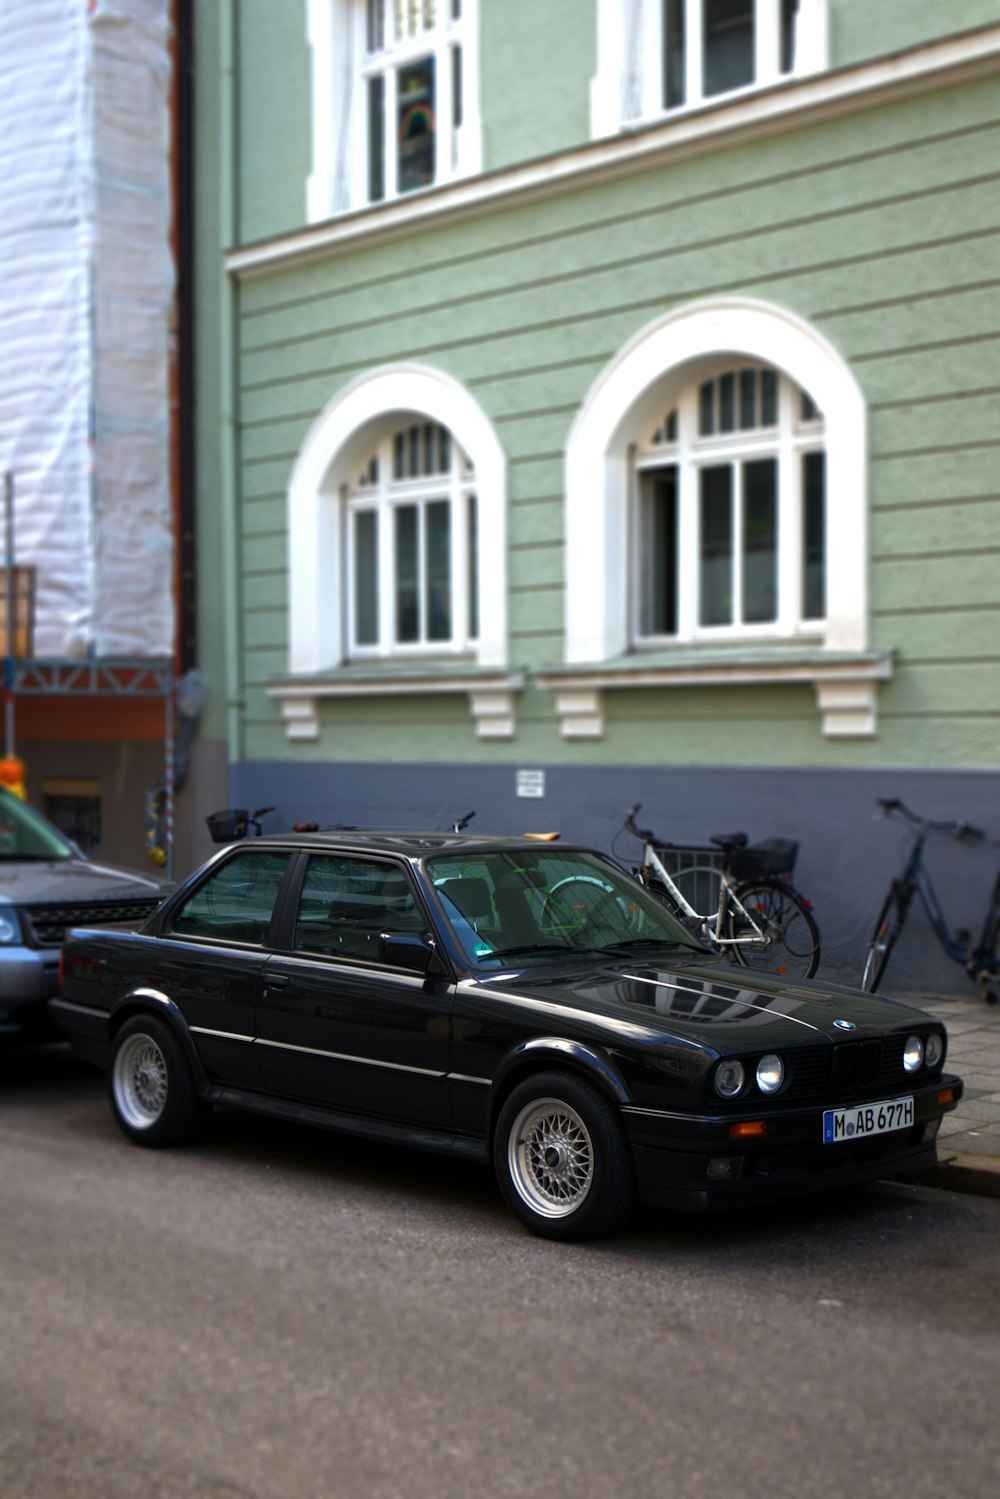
(752, 913)
(981, 960)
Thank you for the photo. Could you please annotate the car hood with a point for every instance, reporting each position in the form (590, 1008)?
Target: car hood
(27, 882)
(725, 1007)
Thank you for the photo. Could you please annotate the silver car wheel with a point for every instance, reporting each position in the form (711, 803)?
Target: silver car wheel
(139, 1081)
(550, 1157)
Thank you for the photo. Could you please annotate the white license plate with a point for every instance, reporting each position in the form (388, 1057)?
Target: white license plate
(862, 1120)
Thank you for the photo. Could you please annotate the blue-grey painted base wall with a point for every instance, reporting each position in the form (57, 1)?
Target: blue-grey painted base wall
(847, 855)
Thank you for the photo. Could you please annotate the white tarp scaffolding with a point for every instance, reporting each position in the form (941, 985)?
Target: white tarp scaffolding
(86, 294)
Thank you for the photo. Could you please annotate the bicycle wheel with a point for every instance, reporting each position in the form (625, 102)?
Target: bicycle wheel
(582, 905)
(887, 929)
(789, 936)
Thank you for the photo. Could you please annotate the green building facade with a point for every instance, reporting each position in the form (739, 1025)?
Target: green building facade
(597, 404)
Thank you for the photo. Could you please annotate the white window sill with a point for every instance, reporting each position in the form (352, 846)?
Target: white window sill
(845, 683)
(491, 694)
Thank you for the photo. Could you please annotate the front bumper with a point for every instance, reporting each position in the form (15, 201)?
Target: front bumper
(691, 1162)
(29, 978)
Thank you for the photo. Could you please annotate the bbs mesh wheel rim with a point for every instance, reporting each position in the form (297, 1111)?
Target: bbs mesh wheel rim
(550, 1157)
(140, 1081)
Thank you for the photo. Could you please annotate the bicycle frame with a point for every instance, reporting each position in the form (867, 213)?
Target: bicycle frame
(916, 879)
(711, 926)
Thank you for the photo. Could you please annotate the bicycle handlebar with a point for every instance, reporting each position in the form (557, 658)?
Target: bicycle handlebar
(958, 830)
(644, 835)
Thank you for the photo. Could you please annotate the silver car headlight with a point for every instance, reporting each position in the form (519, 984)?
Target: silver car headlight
(913, 1054)
(730, 1078)
(770, 1073)
(10, 931)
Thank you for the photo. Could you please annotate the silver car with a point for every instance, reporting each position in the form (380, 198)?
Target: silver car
(46, 887)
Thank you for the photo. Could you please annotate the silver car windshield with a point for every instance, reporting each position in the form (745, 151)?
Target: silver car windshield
(508, 908)
(25, 834)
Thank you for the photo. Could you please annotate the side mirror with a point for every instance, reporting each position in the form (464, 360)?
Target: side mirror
(405, 950)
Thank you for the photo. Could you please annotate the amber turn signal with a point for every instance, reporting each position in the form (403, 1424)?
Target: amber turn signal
(746, 1130)
(947, 1095)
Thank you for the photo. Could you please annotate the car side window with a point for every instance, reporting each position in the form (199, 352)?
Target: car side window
(346, 904)
(236, 902)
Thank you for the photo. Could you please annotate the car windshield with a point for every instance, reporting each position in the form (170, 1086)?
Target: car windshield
(24, 833)
(513, 908)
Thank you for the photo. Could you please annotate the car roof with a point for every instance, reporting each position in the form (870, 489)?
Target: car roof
(412, 844)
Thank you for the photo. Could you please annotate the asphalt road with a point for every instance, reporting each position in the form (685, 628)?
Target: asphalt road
(281, 1312)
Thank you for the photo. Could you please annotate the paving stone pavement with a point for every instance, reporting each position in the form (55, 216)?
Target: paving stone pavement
(969, 1142)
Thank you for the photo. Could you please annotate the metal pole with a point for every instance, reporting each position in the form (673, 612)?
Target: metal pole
(168, 773)
(8, 694)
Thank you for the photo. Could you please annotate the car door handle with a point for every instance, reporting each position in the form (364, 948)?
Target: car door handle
(277, 981)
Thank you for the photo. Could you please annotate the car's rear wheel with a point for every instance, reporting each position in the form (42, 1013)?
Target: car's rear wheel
(153, 1095)
(562, 1160)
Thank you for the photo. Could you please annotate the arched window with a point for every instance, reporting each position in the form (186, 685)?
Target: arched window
(396, 523)
(728, 512)
(716, 494)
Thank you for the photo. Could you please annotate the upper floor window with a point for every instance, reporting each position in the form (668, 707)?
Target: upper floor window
(412, 545)
(395, 98)
(729, 522)
(660, 56)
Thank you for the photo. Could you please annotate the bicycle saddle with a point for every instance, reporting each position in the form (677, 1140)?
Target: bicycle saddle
(728, 841)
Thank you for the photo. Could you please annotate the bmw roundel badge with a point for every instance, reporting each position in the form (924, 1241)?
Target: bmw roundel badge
(845, 1025)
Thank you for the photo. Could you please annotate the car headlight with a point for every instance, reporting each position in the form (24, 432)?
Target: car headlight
(730, 1078)
(10, 932)
(934, 1049)
(913, 1053)
(770, 1073)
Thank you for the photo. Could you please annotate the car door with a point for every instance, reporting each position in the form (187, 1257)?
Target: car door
(336, 1024)
(210, 954)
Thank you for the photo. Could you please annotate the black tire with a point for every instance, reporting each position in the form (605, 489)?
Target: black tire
(561, 1158)
(781, 913)
(153, 1096)
(883, 940)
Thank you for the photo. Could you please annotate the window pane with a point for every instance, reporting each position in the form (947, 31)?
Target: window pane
(789, 19)
(729, 45)
(438, 568)
(768, 399)
(366, 578)
(760, 541)
(472, 514)
(658, 540)
(674, 89)
(727, 403)
(235, 903)
(716, 485)
(814, 536)
(376, 140)
(407, 602)
(415, 125)
(748, 399)
(706, 408)
(456, 87)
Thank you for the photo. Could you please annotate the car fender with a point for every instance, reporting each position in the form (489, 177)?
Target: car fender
(153, 1001)
(535, 1053)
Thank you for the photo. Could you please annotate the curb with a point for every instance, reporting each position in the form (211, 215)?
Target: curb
(967, 1173)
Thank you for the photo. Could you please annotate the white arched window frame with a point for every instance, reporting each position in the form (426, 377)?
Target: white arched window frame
(627, 398)
(337, 447)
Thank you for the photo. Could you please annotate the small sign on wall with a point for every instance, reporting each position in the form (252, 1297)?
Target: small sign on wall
(531, 783)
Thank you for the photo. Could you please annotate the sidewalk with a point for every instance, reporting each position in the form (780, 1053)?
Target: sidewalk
(969, 1142)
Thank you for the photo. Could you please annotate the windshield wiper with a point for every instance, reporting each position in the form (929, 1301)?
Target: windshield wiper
(635, 944)
(527, 947)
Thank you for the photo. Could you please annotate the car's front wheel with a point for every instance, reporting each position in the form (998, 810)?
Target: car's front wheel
(153, 1094)
(562, 1160)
